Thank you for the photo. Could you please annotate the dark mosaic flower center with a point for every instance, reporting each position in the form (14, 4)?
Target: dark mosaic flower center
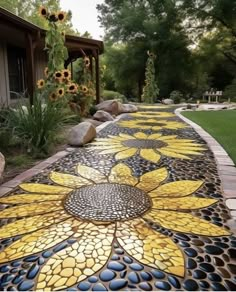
(144, 143)
(107, 202)
(151, 124)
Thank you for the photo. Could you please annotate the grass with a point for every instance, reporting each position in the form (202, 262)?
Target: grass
(219, 124)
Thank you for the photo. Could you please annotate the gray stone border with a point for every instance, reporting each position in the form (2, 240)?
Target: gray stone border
(11, 184)
(225, 165)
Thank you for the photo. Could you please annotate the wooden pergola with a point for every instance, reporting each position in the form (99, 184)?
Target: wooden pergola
(18, 32)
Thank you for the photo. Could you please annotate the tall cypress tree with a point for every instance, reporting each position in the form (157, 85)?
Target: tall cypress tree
(150, 89)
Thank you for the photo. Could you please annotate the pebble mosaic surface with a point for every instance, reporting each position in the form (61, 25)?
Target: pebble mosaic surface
(138, 209)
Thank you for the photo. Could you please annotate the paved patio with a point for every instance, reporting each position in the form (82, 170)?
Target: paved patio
(147, 206)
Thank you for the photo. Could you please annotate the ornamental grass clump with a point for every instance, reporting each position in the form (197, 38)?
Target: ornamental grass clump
(37, 125)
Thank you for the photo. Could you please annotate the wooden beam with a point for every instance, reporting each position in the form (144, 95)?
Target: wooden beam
(97, 78)
(30, 66)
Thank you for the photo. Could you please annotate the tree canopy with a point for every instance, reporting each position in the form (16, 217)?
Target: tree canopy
(193, 39)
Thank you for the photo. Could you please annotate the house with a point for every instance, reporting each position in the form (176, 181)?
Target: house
(22, 58)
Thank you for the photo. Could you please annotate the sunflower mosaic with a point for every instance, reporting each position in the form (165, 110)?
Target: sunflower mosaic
(95, 209)
(151, 124)
(149, 147)
(153, 106)
(151, 114)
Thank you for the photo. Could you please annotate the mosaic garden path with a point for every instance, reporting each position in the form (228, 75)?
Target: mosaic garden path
(140, 208)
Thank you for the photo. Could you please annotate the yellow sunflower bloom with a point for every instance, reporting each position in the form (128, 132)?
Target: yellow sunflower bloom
(61, 16)
(58, 75)
(53, 96)
(148, 114)
(40, 83)
(66, 74)
(46, 72)
(43, 11)
(151, 124)
(149, 147)
(94, 209)
(84, 89)
(72, 88)
(86, 61)
(60, 92)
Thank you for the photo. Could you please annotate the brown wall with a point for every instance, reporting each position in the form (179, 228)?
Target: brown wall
(4, 81)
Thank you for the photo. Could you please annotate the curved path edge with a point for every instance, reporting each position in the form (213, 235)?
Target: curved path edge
(225, 165)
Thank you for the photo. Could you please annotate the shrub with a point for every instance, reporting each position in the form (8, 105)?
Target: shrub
(176, 96)
(37, 125)
(109, 94)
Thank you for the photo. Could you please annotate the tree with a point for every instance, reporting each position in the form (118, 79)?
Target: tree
(150, 90)
(154, 25)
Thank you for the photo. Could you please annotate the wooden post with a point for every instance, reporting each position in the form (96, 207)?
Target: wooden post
(30, 66)
(97, 78)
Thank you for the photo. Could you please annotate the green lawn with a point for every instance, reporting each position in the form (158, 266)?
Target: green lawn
(220, 124)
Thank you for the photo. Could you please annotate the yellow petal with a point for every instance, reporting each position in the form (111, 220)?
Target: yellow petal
(186, 223)
(152, 179)
(113, 150)
(31, 209)
(150, 154)
(39, 240)
(45, 189)
(30, 198)
(154, 136)
(122, 174)
(126, 136)
(125, 154)
(80, 260)
(182, 203)
(172, 154)
(68, 180)
(183, 151)
(175, 189)
(140, 135)
(90, 174)
(169, 137)
(150, 247)
(184, 147)
(30, 224)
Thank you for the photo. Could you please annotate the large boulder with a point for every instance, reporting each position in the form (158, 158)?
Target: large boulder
(95, 123)
(167, 101)
(2, 164)
(128, 108)
(110, 106)
(102, 116)
(81, 134)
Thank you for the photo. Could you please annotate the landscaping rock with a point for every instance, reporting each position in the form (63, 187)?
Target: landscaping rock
(128, 108)
(95, 123)
(167, 101)
(81, 134)
(102, 116)
(2, 164)
(110, 106)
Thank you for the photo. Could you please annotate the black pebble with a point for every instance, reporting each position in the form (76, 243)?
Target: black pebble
(212, 249)
(214, 277)
(145, 286)
(116, 266)
(207, 267)
(134, 277)
(107, 275)
(174, 281)
(218, 287)
(117, 284)
(190, 252)
(99, 287)
(198, 274)
(162, 285)
(190, 285)
(191, 264)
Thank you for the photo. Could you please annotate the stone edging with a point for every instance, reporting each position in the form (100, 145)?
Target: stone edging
(225, 165)
(11, 184)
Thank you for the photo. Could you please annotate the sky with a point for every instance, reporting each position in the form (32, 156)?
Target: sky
(84, 16)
